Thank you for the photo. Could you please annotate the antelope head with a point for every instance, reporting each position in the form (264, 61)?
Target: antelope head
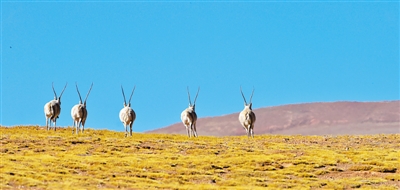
(246, 105)
(123, 94)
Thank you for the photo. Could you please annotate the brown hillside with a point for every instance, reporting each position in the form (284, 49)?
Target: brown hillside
(307, 119)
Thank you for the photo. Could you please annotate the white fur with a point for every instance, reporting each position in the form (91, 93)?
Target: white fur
(52, 109)
(189, 116)
(79, 113)
(247, 117)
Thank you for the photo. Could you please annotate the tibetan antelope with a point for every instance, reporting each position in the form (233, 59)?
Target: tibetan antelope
(189, 116)
(247, 117)
(52, 109)
(79, 112)
(127, 115)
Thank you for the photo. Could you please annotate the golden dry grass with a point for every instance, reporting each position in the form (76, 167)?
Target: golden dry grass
(34, 158)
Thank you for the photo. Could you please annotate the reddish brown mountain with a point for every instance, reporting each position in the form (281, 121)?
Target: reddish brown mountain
(307, 119)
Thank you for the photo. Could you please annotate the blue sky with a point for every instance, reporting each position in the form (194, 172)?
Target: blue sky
(291, 52)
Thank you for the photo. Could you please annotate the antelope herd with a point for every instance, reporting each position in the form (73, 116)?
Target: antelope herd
(127, 116)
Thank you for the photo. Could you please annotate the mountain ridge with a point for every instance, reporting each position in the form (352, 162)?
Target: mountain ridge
(316, 118)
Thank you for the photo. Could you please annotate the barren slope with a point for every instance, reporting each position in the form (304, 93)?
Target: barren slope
(307, 119)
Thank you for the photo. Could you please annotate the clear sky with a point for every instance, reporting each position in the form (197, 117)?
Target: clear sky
(290, 52)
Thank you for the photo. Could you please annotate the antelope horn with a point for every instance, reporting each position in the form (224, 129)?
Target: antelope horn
(87, 95)
(190, 102)
(251, 95)
(52, 85)
(243, 95)
(123, 94)
(63, 89)
(78, 92)
(194, 103)
(132, 94)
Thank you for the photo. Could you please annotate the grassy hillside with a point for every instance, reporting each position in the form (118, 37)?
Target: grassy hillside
(32, 157)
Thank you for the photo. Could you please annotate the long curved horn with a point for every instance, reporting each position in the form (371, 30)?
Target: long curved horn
(194, 103)
(243, 95)
(123, 94)
(63, 90)
(78, 93)
(251, 95)
(55, 95)
(87, 95)
(190, 102)
(132, 94)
